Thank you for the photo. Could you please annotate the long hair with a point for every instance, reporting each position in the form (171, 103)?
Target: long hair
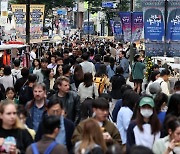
(153, 121)
(17, 124)
(88, 79)
(91, 135)
(78, 73)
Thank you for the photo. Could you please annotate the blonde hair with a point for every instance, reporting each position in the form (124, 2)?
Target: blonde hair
(17, 123)
(91, 135)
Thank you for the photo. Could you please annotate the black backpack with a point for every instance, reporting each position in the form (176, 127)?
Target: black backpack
(25, 95)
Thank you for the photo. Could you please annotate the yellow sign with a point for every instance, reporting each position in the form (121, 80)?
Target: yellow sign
(19, 12)
(36, 21)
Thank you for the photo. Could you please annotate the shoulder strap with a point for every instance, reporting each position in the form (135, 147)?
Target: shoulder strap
(161, 83)
(50, 147)
(34, 148)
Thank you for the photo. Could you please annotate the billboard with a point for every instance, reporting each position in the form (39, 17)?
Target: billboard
(154, 22)
(126, 25)
(36, 21)
(137, 26)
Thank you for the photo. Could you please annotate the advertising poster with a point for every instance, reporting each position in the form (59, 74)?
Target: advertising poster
(36, 22)
(89, 28)
(173, 22)
(173, 29)
(126, 25)
(137, 26)
(154, 26)
(19, 12)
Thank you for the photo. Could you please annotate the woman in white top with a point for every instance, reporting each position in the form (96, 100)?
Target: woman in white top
(87, 89)
(7, 80)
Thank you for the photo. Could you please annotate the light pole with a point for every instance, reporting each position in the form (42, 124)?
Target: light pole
(88, 21)
(131, 43)
(28, 21)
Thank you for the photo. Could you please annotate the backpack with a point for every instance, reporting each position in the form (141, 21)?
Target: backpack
(24, 95)
(100, 84)
(48, 149)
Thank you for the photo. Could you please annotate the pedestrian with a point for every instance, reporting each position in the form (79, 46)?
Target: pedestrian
(47, 144)
(170, 143)
(138, 73)
(92, 140)
(11, 126)
(145, 129)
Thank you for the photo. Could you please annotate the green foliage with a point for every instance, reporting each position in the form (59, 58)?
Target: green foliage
(149, 64)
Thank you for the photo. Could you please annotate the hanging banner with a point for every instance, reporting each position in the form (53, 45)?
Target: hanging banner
(126, 25)
(173, 22)
(88, 28)
(19, 12)
(154, 27)
(36, 21)
(137, 26)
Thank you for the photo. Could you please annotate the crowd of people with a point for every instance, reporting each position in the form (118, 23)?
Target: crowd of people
(75, 99)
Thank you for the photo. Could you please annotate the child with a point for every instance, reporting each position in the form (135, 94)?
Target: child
(10, 95)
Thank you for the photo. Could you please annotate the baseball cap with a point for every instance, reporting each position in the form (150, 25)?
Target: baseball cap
(146, 101)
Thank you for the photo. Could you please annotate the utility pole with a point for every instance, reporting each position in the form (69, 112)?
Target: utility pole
(88, 21)
(28, 21)
(165, 34)
(131, 45)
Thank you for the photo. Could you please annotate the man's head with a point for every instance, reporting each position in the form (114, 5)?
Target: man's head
(101, 109)
(39, 91)
(51, 125)
(25, 72)
(63, 84)
(32, 78)
(44, 63)
(54, 107)
(53, 59)
(75, 51)
(85, 56)
(122, 54)
(66, 54)
(16, 63)
(165, 74)
(177, 87)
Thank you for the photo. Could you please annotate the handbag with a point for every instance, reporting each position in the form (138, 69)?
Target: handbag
(130, 76)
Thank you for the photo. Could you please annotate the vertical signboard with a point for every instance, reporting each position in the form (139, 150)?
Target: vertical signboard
(89, 28)
(126, 25)
(137, 26)
(36, 22)
(19, 11)
(173, 28)
(154, 26)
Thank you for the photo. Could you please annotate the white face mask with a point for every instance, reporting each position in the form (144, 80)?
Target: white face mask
(146, 113)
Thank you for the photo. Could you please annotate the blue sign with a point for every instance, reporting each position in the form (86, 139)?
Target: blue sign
(61, 12)
(117, 28)
(173, 30)
(107, 4)
(154, 25)
(88, 29)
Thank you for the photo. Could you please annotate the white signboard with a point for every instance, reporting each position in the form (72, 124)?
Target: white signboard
(4, 6)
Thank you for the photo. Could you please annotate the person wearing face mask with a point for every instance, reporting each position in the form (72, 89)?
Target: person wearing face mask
(145, 129)
(170, 144)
